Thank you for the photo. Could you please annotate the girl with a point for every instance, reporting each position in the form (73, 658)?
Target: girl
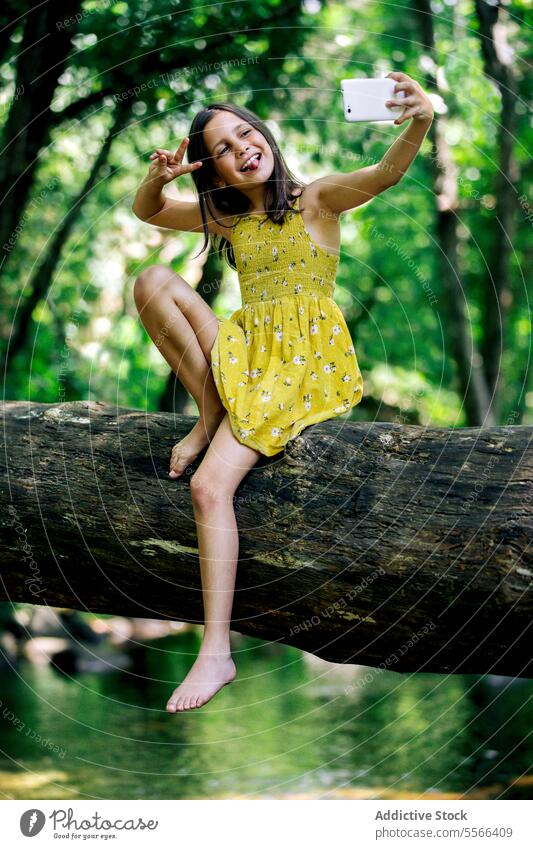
(281, 362)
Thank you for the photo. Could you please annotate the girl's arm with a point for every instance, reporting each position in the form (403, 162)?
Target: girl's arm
(341, 192)
(152, 205)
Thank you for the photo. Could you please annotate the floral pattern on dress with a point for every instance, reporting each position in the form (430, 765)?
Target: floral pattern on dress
(285, 359)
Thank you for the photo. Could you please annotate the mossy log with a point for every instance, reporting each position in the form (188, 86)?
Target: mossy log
(401, 547)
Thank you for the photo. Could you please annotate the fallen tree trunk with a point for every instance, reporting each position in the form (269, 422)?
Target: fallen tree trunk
(406, 548)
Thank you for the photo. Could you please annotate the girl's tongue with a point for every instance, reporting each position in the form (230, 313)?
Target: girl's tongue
(254, 164)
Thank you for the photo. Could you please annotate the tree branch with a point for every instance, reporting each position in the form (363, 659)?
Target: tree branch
(363, 543)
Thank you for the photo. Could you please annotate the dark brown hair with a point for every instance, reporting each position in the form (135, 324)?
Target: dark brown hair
(230, 201)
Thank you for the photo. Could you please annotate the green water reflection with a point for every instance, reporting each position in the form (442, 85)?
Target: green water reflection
(285, 727)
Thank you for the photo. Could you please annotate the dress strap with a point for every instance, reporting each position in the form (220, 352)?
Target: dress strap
(296, 204)
(236, 218)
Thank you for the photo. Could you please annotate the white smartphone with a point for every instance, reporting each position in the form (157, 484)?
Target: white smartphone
(364, 99)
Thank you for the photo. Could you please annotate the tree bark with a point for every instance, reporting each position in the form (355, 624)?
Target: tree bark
(401, 547)
(498, 67)
(41, 60)
(472, 384)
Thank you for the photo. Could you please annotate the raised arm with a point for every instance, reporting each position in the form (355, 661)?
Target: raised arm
(151, 204)
(340, 192)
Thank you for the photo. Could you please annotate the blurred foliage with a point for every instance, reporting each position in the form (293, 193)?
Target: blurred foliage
(86, 339)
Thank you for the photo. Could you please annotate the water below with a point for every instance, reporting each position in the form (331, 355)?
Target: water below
(286, 728)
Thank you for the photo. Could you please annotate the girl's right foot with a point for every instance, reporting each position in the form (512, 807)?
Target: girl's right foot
(186, 451)
(208, 674)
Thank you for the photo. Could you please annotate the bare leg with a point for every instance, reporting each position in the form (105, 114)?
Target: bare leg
(184, 329)
(226, 463)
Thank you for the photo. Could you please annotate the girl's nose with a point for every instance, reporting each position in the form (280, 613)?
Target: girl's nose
(241, 159)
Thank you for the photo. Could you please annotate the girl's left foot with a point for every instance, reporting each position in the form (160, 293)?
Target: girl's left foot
(186, 451)
(208, 674)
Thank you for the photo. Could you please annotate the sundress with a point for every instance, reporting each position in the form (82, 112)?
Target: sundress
(284, 360)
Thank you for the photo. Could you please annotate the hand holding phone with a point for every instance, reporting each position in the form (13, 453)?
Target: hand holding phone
(364, 99)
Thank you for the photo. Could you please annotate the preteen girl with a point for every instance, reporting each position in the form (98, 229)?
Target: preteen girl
(285, 359)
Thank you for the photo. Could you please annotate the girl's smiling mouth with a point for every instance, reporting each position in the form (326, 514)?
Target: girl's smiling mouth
(252, 163)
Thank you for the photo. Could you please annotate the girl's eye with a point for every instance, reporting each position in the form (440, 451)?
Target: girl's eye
(225, 146)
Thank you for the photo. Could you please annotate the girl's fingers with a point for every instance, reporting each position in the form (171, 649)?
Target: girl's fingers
(174, 161)
(161, 152)
(406, 101)
(408, 114)
(178, 156)
(186, 169)
(406, 86)
(398, 75)
(173, 158)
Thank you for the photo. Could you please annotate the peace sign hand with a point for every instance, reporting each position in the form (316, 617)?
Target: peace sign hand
(416, 103)
(166, 166)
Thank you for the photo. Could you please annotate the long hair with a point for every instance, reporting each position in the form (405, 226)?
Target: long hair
(229, 201)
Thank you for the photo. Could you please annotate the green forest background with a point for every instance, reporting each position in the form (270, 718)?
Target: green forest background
(432, 278)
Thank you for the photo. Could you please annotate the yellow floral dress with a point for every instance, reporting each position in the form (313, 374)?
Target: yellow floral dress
(285, 359)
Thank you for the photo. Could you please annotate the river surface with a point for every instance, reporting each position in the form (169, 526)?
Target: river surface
(290, 726)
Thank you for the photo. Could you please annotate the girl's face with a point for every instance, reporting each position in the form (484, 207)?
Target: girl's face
(231, 143)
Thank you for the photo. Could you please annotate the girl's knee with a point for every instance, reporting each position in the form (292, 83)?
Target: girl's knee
(149, 282)
(152, 281)
(205, 493)
(157, 280)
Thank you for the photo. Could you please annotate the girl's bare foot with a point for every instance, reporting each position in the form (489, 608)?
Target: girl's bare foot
(208, 674)
(185, 451)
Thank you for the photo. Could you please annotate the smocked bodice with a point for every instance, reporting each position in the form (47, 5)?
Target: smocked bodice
(279, 260)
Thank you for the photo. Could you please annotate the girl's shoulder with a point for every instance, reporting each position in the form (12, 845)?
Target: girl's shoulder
(321, 226)
(309, 199)
(306, 200)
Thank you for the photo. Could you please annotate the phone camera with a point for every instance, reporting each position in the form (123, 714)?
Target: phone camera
(348, 110)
